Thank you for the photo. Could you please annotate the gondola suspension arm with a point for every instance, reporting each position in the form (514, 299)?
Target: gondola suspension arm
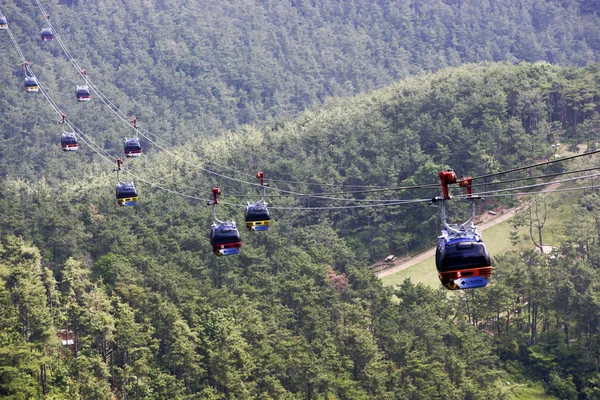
(261, 175)
(134, 121)
(63, 122)
(118, 169)
(215, 192)
(449, 177)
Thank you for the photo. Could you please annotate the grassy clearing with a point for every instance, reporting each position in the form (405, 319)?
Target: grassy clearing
(560, 208)
(531, 392)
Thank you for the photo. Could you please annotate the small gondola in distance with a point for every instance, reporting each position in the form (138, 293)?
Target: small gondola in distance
(132, 147)
(126, 194)
(3, 22)
(31, 84)
(257, 217)
(225, 239)
(47, 34)
(68, 142)
(82, 93)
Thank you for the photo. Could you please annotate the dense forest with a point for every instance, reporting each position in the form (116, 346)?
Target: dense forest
(316, 92)
(189, 69)
(154, 314)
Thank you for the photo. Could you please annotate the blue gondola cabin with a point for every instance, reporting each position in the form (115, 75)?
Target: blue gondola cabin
(82, 93)
(463, 263)
(31, 84)
(257, 217)
(47, 34)
(133, 148)
(225, 239)
(68, 142)
(126, 194)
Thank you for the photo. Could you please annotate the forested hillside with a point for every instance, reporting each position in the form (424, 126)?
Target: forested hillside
(154, 314)
(192, 69)
(146, 309)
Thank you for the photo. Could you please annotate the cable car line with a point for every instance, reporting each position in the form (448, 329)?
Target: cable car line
(123, 117)
(544, 191)
(537, 177)
(111, 105)
(492, 193)
(382, 203)
(432, 186)
(386, 203)
(327, 184)
(97, 149)
(462, 259)
(15, 44)
(540, 164)
(53, 103)
(390, 203)
(483, 194)
(232, 178)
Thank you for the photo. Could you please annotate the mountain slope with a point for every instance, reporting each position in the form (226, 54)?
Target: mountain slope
(298, 314)
(188, 70)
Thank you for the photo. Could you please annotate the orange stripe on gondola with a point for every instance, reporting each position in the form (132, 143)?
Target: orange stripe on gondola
(485, 272)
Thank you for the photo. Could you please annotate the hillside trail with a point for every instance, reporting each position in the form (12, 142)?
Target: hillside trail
(483, 222)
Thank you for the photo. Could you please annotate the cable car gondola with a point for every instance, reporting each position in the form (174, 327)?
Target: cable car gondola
(3, 22)
(224, 236)
(463, 262)
(68, 141)
(225, 239)
(31, 84)
(257, 214)
(126, 193)
(461, 258)
(132, 147)
(82, 93)
(47, 34)
(257, 217)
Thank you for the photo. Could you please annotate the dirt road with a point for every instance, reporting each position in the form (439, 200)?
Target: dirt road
(487, 221)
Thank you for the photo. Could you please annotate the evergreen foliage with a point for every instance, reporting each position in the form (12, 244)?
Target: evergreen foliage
(147, 311)
(152, 313)
(190, 70)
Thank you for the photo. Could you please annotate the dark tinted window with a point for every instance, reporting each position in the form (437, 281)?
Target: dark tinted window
(224, 234)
